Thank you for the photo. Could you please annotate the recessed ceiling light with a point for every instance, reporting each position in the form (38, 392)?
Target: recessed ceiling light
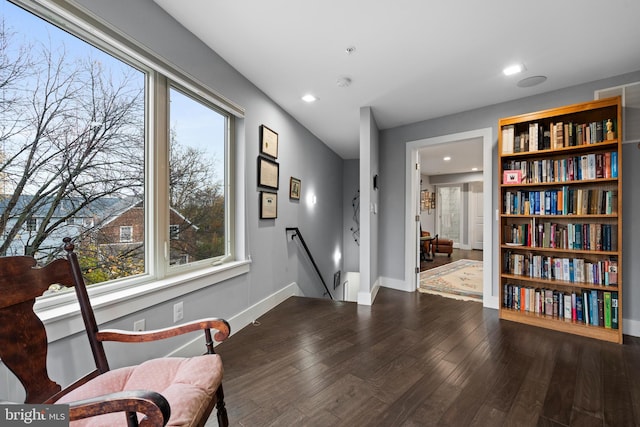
(309, 98)
(446, 159)
(513, 69)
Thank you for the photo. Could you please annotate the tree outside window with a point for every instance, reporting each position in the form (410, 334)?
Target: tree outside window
(72, 156)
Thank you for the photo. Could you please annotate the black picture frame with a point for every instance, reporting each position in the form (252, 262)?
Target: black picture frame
(268, 142)
(268, 205)
(336, 280)
(268, 173)
(295, 187)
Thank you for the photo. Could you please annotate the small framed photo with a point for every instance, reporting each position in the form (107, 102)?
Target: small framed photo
(268, 142)
(268, 205)
(294, 188)
(268, 173)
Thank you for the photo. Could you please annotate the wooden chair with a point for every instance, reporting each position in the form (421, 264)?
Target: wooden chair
(177, 391)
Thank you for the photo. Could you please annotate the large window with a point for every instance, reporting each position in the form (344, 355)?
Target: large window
(78, 159)
(197, 179)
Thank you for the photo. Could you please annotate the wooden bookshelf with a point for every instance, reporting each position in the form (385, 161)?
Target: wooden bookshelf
(560, 175)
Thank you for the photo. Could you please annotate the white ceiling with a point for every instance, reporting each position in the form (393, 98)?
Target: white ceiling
(465, 155)
(413, 59)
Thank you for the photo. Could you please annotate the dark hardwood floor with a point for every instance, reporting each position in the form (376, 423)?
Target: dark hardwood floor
(442, 259)
(414, 359)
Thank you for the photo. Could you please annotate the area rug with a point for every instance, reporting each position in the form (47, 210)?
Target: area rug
(460, 279)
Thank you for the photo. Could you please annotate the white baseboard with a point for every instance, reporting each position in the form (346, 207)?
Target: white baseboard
(397, 284)
(631, 327)
(240, 320)
(367, 298)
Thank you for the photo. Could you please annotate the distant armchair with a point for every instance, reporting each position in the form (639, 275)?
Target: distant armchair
(177, 391)
(442, 246)
(438, 245)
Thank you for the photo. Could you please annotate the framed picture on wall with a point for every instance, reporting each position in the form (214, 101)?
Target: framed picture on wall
(268, 205)
(268, 142)
(268, 173)
(294, 188)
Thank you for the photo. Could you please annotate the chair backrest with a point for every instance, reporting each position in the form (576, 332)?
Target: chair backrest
(23, 338)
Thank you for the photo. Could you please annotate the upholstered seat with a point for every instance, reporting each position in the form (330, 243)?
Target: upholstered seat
(188, 384)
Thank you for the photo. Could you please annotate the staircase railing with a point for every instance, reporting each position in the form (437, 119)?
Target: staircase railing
(296, 232)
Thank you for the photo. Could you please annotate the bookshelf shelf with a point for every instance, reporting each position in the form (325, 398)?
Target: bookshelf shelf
(561, 325)
(559, 251)
(571, 216)
(561, 184)
(600, 146)
(561, 219)
(557, 283)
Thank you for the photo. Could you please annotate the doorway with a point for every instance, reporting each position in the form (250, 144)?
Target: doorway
(412, 218)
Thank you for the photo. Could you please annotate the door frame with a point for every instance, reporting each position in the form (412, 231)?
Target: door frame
(412, 209)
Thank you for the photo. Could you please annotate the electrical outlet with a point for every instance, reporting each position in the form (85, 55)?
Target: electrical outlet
(178, 311)
(138, 325)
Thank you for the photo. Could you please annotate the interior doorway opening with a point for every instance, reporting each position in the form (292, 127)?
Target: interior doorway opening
(413, 220)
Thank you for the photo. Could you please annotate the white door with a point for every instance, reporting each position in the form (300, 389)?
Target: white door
(476, 217)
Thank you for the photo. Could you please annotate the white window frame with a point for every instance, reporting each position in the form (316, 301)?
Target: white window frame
(60, 312)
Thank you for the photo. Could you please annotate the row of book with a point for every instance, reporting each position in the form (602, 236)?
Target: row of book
(578, 236)
(588, 306)
(574, 270)
(538, 136)
(567, 169)
(561, 201)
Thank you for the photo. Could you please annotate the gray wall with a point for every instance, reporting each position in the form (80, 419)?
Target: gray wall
(392, 161)
(277, 261)
(351, 189)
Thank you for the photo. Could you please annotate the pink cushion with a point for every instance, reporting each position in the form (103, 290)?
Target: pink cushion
(188, 384)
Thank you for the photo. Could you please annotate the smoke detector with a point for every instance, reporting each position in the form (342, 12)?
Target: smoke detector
(343, 82)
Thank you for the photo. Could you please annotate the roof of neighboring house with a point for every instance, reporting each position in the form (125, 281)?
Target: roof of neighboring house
(101, 208)
(104, 209)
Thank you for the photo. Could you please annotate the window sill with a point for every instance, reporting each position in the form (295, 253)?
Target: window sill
(65, 320)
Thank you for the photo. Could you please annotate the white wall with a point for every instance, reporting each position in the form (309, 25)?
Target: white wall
(369, 207)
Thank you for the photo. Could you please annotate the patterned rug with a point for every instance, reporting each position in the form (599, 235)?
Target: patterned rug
(460, 279)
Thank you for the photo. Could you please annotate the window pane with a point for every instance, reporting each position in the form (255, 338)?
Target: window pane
(196, 180)
(71, 148)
